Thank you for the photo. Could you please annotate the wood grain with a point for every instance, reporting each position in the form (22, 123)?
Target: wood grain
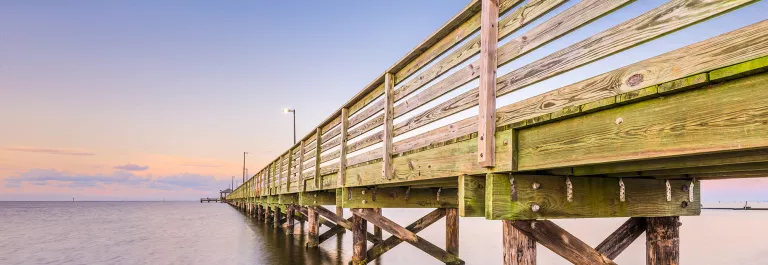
(486, 118)
(620, 239)
(518, 247)
(551, 236)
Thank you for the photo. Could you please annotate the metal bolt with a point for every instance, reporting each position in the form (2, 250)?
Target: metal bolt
(536, 185)
(535, 207)
(684, 204)
(363, 192)
(314, 202)
(685, 188)
(619, 120)
(315, 195)
(364, 201)
(506, 142)
(533, 225)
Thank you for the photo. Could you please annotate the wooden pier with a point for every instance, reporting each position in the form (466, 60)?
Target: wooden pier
(211, 200)
(633, 142)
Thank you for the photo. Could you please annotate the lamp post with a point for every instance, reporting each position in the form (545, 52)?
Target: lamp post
(232, 185)
(287, 110)
(244, 153)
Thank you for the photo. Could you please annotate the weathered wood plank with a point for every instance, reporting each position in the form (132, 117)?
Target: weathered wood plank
(446, 159)
(678, 124)
(313, 198)
(620, 239)
(471, 196)
(399, 197)
(551, 236)
(751, 67)
(452, 231)
(592, 197)
(343, 148)
(573, 18)
(318, 160)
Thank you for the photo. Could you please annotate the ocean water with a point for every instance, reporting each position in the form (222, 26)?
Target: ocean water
(215, 233)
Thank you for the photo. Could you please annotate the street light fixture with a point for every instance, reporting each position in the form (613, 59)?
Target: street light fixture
(244, 153)
(287, 110)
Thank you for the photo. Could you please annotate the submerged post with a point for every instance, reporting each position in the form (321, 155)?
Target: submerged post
(314, 227)
(277, 215)
(377, 229)
(289, 222)
(662, 240)
(359, 240)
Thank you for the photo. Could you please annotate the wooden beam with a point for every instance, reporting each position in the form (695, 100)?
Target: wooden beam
(389, 113)
(415, 227)
(551, 236)
(376, 229)
(278, 215)
(407, 236)
(546, 197)
(334, 230)
(399, 197)
(662, 240)
(359, 242)
(602, 137)
(518, 247)
(486, 118)
(343, 148)
(471, 196)
(620, 239)
(314, 227)
(311, 198)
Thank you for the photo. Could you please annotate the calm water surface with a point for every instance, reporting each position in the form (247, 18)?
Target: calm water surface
(195, 233)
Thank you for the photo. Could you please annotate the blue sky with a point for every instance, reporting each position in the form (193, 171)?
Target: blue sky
(168, 89)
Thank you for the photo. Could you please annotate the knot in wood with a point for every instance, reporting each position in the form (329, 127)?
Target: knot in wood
(635, 79)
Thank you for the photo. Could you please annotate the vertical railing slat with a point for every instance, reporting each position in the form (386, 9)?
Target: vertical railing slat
(342, 177)
(301, 184)
(486, 124)
(389, 113)
(318, 143)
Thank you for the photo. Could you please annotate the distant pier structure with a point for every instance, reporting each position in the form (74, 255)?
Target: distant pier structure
(633, 142)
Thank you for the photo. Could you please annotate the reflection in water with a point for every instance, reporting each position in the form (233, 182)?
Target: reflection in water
(194, 233)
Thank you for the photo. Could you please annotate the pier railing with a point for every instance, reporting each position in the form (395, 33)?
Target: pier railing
(360, 136)
(612, 145)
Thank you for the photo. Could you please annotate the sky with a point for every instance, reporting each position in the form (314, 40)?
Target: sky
(151, 100)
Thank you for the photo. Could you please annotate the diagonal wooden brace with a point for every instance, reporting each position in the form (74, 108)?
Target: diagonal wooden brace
(400, 232)
(415, 227)
(341, 221)
(620, 239)
(561, 242)
(332, 232)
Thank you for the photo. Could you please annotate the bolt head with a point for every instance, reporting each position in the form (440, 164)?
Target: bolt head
(364, 201)
(363, 192)
(536, 185)
(535, 207)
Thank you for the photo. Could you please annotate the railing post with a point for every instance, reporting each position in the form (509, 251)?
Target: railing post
(301, 184)
(486, 117)
(389, 114)
(318, 143)
(342, 175)
(288, 175)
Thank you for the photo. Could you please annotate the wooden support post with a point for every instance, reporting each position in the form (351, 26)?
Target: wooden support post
(290, 171)
(318, 153)
(407, 236)
(489, 19)
(289, 225)
(300, 177)
(376, 229)
(619, 240)
(662, 240)
(341, 222)
(277, 215)
(452, 231)
(359, 241)
(314, 227)
(259, 211)
(519, 248)
(266, 214)
(553, 237)
(342, 178)
(340, 213)
(389, 115)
